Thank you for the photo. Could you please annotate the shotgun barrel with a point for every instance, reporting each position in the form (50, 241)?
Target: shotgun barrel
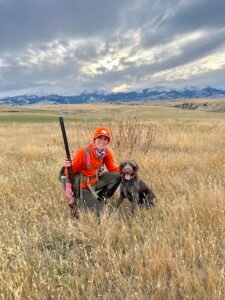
(70, 170)
(61, 121)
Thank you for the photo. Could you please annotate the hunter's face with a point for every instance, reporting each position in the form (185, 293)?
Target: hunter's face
(101, 142)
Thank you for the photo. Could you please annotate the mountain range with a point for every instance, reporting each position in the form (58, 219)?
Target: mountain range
(157, 93)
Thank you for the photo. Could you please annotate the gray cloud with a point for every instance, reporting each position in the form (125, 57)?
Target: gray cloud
(100, 44)
(183, 18)
(193, 15)
(24, 22)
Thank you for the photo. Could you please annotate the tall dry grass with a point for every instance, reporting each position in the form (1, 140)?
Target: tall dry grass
(176, 251)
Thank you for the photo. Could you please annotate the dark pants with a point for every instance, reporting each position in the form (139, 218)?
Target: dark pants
(107, 185)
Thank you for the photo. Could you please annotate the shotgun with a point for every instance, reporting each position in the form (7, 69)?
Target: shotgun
(70, 170)
(69, 183)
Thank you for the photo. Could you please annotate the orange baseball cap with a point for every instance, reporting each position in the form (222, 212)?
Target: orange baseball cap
(102, 131)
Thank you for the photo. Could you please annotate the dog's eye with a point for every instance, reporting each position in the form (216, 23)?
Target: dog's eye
(136, 168)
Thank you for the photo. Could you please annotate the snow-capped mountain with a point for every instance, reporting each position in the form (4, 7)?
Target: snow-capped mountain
(157, 93)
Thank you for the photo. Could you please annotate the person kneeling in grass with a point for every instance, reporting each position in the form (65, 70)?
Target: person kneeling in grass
(95, 186)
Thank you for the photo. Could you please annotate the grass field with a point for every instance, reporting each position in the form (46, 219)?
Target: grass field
(158, 110)
(176, 251)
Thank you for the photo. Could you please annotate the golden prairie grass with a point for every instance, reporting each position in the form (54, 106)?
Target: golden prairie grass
(176, 251)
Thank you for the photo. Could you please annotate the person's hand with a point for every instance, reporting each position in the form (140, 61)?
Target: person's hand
(67, 163)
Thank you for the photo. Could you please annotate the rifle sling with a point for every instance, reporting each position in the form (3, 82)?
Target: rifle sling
(90, 187)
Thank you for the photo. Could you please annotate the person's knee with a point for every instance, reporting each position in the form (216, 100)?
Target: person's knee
(117, 177)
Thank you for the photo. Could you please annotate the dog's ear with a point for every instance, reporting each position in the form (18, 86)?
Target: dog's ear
(122, 165)
(135, 166)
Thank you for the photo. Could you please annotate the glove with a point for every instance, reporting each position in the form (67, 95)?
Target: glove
(69, 192)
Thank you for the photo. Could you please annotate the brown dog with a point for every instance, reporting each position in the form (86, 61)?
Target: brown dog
(133, 188)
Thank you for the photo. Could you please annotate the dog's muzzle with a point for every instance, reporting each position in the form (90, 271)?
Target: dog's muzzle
(128, 173)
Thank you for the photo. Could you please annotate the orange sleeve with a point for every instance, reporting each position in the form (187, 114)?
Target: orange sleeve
(110, 162)
(78, 161)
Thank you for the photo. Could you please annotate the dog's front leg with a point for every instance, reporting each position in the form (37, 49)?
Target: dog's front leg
(134, 204)
(120, 200)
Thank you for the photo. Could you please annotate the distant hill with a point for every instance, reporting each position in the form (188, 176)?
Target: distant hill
(211, 106)
(158, 93)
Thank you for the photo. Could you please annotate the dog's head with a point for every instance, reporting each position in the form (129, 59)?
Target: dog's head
(129, 169)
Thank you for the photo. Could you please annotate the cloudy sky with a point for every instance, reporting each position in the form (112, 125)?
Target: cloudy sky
(67, 46)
